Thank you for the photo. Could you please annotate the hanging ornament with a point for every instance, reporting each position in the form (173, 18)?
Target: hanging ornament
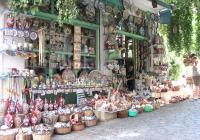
(41, 34)
(50, 106)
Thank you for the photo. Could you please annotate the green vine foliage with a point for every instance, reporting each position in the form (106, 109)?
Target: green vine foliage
(180, 31)
(67, 9)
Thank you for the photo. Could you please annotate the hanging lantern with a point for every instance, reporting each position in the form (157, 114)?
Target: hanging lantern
(154, 3)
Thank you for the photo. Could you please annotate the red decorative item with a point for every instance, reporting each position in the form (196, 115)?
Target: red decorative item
(25, 108)
(55, 105)
(27, 23)
(31, 107)
(33, 119)
(154, 3)
(10, 21)
(46, 105)
(38, 114)
(19, 107)
(26, 121)
(19, 24)
(39, 103)
(17, 120)
(61, 101)
(8, 120)
(50, 106)
(12, 107)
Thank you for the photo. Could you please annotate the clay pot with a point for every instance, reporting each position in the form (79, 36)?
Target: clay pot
(25, 108)
(17, 120)
(10, 21)
(33, 119)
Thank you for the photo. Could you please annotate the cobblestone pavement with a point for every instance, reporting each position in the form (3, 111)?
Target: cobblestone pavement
(172, 122)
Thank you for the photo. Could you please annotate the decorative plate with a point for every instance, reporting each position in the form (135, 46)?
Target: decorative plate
(33, 35)
(68, 75)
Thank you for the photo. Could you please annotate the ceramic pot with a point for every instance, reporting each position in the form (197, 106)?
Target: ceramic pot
(25, 108)
(8, 120)
(33, 119)
(12, 107)
(26, 121)
(19, 107)
(17, 120)
(10, 21)
(38, 114)
(39, 103)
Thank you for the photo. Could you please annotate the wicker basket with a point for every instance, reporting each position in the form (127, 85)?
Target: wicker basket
(64, 118)
(122, 114)
(91, 123)
(7, 137)
(50, 120)
(41, 137)
(78, 127)
(28, 137)
(62, 131)
(88, 113)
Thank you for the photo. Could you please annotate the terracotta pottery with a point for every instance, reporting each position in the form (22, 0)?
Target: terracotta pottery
(10, 21)
(8, 120)
(17, 120)
(26, 121)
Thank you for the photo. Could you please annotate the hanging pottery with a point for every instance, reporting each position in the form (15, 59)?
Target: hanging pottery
(27, 23)
(46, 105)
(8, 120)
(31, 106)
(19, 25)
(19, 107)
(17, 120)
(10, 21)
(55, 105)
(33, 119)
(39, 103)
(26, 121)
(51, 106)
(12, 107)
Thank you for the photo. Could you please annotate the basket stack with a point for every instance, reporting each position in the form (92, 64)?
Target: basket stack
(77, 122)
(63, 128)
(89, 118)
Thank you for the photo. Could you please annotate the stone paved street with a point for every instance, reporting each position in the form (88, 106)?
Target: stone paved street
(172, 122)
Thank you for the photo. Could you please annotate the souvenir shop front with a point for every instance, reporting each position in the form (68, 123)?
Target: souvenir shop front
(65, 70)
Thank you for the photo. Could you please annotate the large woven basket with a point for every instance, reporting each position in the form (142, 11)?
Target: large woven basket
(78, 127)
(90, 123)
(122, 114)
(7, 137)
(62, 131)
(50, 120)
(41, 137)
(64, 118)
